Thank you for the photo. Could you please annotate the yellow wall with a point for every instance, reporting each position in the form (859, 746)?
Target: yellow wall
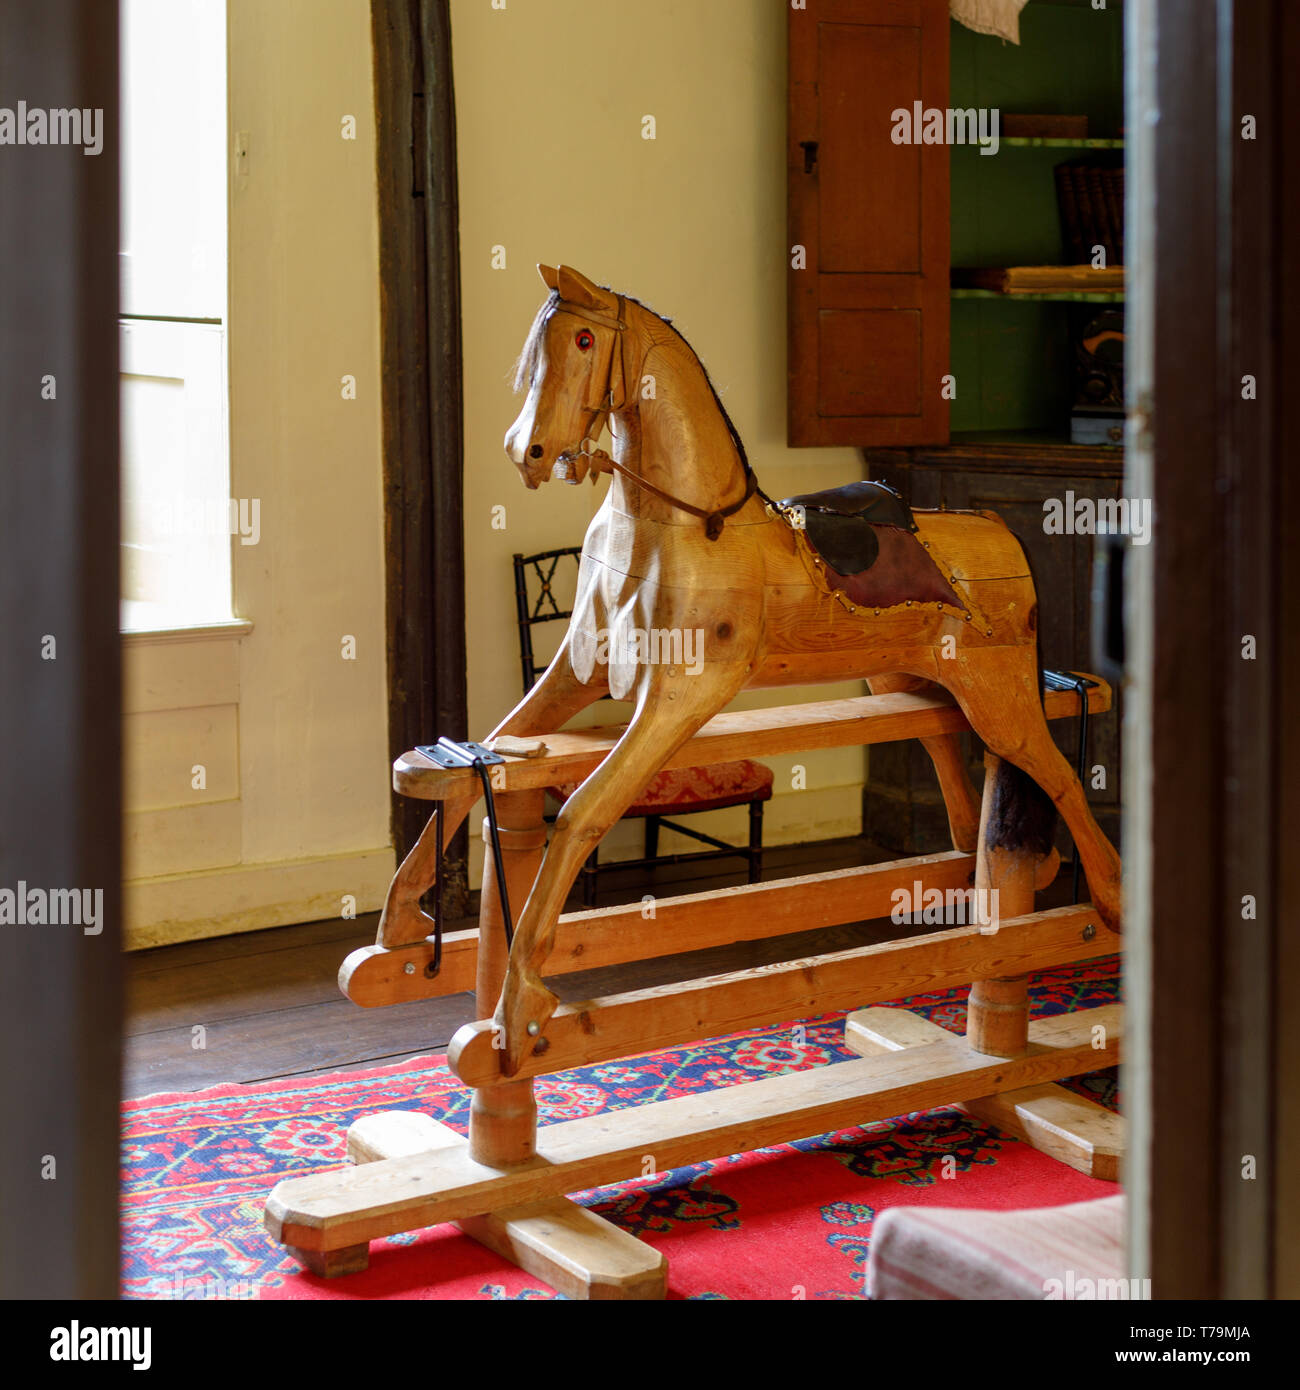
(550, 98)
(293, 736)
(553, 167)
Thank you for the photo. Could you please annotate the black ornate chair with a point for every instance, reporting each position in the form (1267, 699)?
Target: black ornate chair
(683, 791)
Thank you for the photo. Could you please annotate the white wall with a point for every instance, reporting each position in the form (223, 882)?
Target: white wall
(293, 736)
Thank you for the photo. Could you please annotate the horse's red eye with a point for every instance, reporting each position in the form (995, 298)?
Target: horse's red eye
(584, 339)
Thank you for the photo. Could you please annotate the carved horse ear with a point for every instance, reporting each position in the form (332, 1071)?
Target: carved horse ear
(550, 276)
(577, 289)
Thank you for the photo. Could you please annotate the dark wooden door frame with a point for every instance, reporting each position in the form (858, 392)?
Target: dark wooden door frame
(1212, 755)
(422, 398)
(60, 707)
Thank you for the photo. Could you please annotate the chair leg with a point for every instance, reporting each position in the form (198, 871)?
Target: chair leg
(755, 841)
(652, 837)
(590, 872)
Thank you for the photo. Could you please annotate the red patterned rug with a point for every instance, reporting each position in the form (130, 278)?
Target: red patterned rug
(790, 1221)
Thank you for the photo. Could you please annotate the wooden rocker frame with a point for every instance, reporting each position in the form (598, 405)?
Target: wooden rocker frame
(506, 1185)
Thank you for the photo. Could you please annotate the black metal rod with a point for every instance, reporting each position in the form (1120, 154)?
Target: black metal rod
(481, 768)
(1081, 686)
(691, 857)
(703, 837)
(525, 623)
(437, 895)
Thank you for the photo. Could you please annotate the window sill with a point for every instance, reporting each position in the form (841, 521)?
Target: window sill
(201, 632)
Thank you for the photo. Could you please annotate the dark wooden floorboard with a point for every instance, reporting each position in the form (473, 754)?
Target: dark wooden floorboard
(269, 1004)
(315, 1036)
(234, 987)
(253, 943)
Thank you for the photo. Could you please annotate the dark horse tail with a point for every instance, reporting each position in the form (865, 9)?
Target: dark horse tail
(1022, 816)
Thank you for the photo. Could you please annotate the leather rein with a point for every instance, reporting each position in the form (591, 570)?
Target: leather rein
(572, 465)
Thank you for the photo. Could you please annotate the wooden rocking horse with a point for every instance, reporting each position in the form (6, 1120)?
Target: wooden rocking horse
(835, 585)
(686, 543)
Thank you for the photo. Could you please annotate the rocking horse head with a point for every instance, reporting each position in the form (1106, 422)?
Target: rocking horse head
(581, 365)
(573, 370)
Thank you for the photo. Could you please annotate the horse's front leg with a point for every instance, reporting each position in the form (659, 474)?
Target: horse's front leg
(555, 699)
(670, 709)
(550, 704)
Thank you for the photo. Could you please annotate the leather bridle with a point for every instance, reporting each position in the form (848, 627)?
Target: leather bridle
(573, 463)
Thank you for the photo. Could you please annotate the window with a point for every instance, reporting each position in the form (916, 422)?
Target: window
(177, 517)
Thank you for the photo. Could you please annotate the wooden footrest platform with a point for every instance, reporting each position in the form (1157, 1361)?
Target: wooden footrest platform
(337, 1212)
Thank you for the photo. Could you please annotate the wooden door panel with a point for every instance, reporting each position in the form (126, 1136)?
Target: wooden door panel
(861, 169)
(868, 284)
(889, 337)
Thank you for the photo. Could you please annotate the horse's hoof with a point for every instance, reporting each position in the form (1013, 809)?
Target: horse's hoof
(1111, 914)
(527, 1006)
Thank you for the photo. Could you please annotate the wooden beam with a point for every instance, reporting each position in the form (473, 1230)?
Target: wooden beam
(419, 281)
(643, 1020)
(373, 976)
(1283, 274)
(60, 671)
(758, 733)
(339, 1210)
(1212, 769)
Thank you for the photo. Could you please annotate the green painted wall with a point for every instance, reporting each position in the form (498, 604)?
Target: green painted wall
(1012, 361)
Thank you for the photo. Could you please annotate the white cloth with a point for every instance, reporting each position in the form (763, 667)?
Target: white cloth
(1069, 1252)
(1001, 18)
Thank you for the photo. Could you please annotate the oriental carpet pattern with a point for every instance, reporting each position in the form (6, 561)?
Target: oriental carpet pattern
(792, 1221)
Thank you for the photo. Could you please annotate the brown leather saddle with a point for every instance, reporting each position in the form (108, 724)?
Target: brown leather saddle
(839, 521)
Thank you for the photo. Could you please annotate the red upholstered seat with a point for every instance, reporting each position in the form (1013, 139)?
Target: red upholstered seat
(695, 789)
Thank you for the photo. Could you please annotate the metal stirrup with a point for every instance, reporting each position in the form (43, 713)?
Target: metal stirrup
(448, 753)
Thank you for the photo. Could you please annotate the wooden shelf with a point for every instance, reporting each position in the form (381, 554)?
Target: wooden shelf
(1057, 296)
(1025, 441)
(1055, 142)
(1008, 451)
(1070, 283)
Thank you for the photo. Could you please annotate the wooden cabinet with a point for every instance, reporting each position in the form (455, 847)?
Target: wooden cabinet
(883, 350)
(886, 355)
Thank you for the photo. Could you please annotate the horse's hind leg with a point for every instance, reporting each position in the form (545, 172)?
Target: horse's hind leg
(960, 798)
(670, 709)
(998, 690)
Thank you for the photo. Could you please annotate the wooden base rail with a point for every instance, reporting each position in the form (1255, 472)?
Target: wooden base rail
(506, 1184)
(1061, 1123)
(376, 975)
(617, 1025)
